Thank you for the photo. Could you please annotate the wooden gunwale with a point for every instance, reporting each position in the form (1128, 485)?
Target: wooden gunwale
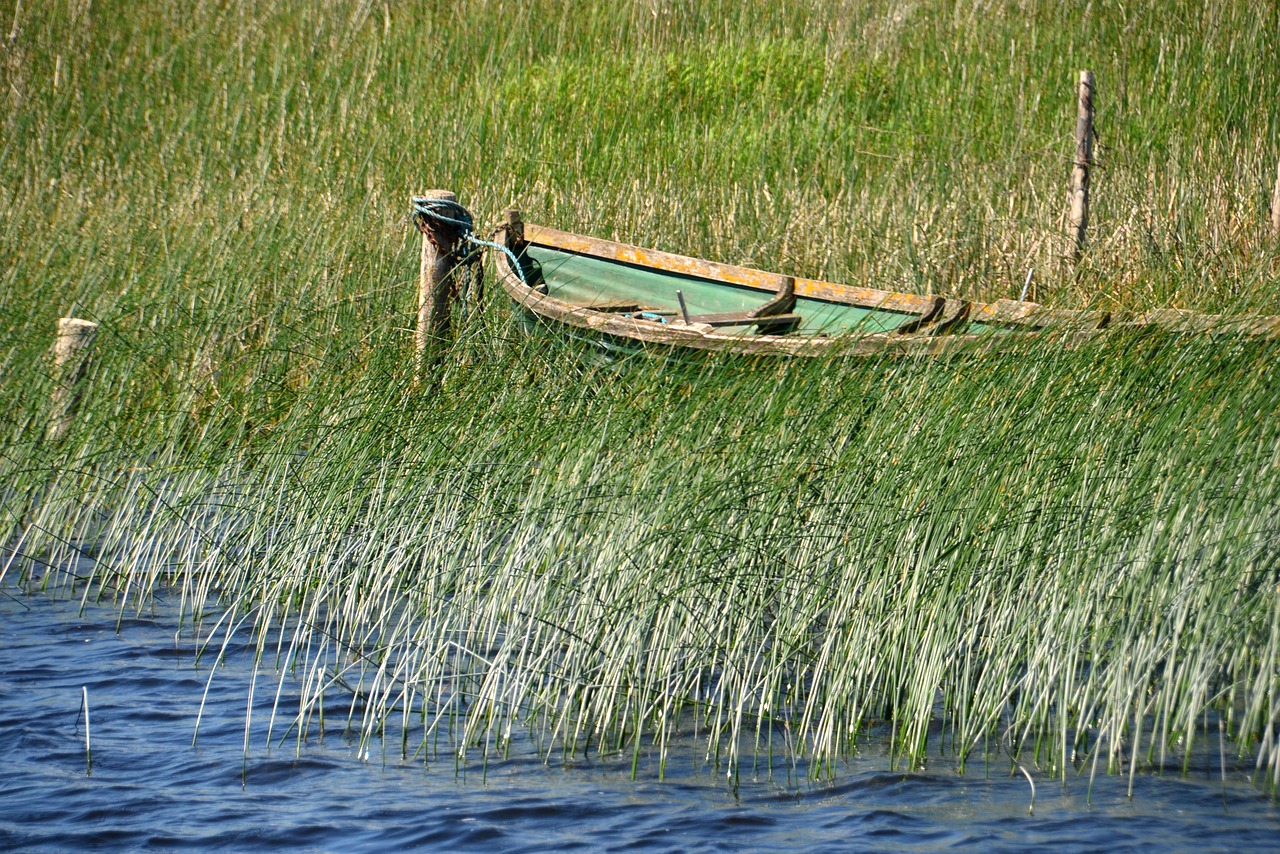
(1177, 320)
(1016, 313)
(747, 277)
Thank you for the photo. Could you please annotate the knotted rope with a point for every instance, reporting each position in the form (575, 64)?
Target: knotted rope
(445, 211)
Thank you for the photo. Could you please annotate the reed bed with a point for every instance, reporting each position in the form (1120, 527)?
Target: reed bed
(1067, 551)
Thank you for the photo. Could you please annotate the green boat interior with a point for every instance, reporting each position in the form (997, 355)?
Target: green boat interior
(614, 286)
(617, 287)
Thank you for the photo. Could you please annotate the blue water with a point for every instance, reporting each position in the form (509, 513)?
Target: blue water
(148, 788)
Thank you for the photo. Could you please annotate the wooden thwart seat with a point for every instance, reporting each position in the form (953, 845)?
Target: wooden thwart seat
(771, 318)
(773, 322)
(613, 307)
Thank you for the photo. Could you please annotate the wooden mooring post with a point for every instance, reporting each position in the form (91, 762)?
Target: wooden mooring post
(1078, 213)
(70, 359)
(435, 285)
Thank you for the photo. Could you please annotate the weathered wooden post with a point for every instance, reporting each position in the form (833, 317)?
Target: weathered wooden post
(515, 229)
(512, 237)
(70, 357)
(1078, 215)
(441, 239)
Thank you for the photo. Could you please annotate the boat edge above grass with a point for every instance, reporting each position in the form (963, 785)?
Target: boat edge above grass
(931, 334)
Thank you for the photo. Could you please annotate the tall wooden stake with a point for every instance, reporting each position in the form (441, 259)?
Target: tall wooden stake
(70, 356)
(1078, 217)
(434, 286)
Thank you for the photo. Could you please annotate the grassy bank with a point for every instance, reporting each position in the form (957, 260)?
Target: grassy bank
(1071, 552)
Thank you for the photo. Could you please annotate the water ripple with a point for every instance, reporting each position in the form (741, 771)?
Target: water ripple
(149, 788)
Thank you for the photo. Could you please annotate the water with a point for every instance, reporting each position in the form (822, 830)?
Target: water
(149, 788)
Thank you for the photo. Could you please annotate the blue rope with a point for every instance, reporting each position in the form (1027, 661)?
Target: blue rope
(459, 216)
(646, 315)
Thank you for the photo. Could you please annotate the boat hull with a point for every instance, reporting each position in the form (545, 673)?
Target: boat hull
(629, 297)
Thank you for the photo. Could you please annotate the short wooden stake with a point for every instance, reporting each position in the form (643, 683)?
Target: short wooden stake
(515, 229)
(434, 287)
(1275, 205)
(1078, 217)
(70, 358)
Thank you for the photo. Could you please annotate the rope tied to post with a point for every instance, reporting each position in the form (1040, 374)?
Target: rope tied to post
(429, 215)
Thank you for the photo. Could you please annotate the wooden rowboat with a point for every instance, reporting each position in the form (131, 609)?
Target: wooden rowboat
(629, 296)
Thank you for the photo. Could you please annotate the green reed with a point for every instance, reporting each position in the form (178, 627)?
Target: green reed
(1068, 551)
